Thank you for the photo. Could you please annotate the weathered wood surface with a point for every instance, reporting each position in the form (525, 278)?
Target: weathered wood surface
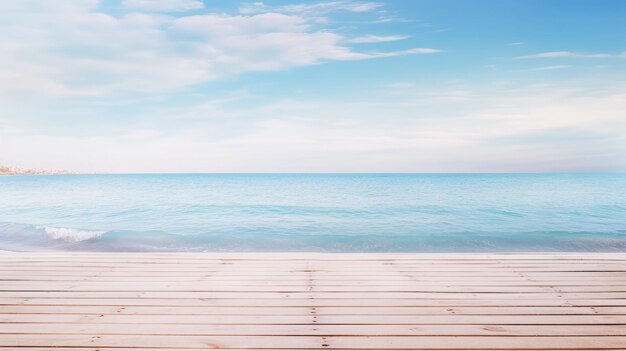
(309, 301)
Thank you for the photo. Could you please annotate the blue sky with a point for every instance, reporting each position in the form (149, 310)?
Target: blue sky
(315, 86)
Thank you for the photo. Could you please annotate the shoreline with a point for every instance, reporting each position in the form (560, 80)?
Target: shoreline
(383, 301)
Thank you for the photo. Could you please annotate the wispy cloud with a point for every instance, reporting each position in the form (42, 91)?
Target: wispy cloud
(414, 51)
(163, 5)
(378, 38)
(515, 43)
(559, 54)
(147, 52)
(549, 68)
(546, 128)
(312, 8)
(549, 54)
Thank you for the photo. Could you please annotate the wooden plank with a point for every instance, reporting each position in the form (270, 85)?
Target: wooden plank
(502, 274)
(308, 295)
(291, 285)
(316, 330)
(291, 342)
(154, 287)
(520, 280)
(284, 302)
(331, 265)
(361, 310)
(280, 274)
(310, 320)
(152, 259)
(87, 348)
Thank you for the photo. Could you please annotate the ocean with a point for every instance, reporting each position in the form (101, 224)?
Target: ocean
(314, 212)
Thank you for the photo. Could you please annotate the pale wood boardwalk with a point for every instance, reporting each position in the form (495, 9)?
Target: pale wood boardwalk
(308, 301)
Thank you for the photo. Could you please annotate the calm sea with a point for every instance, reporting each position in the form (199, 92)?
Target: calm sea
(314, 212)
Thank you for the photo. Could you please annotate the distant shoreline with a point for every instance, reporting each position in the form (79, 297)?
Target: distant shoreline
(15, 171)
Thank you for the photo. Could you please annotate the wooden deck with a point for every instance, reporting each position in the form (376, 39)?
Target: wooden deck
(308, 301)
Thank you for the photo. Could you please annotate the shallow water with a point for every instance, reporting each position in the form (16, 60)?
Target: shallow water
(323, 212)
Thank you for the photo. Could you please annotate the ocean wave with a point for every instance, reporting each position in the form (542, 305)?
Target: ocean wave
(23, 237)
(71, 234)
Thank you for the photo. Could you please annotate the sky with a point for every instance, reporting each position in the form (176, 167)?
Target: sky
(126, 86)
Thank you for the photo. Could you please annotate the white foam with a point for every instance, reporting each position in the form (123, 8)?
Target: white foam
(71, 234)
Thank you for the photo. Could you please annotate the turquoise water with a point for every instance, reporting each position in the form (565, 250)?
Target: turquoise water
(323, 212)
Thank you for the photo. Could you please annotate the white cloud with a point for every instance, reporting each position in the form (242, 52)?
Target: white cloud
(414, 51)
(318, 8)
(550, 54)
(68, 7)
(76, 50)
(558, 54)
(516, 43)
(163, 5)
(547, 128)
(549, 68)
(377, 38)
